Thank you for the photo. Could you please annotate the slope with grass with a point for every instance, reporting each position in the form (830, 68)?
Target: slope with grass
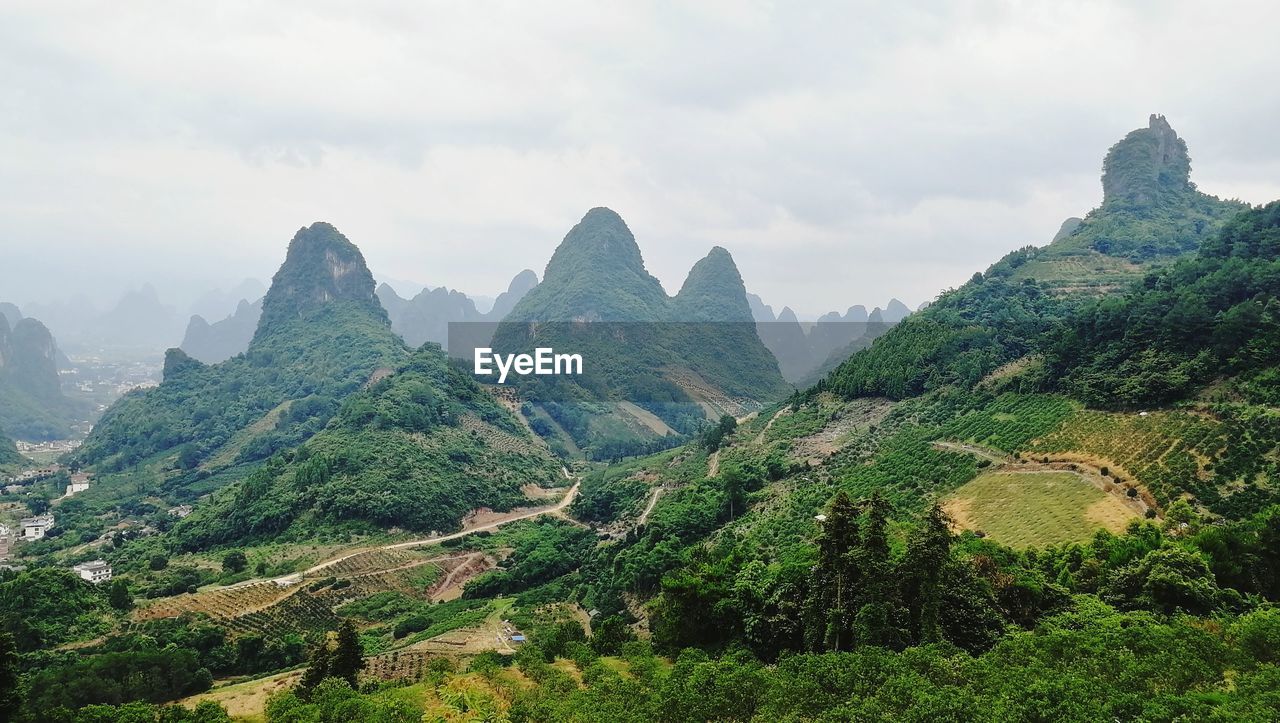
(1037, 509)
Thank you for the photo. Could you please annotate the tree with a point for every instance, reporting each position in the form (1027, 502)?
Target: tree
(118, 595)
(830, 626)
(928, 552)
(878, 617)
(348, 655)
(234, 562)
(735, 488)
(715, 434)
(158, 562)
(609, 635)
(9, 698)
(317, 669)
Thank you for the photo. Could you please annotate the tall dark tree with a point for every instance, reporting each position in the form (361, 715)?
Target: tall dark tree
(318, 668)
(234, 562)
(118, 595)
(878, 618)
(830, 626)
(928, 552)
(348, 655)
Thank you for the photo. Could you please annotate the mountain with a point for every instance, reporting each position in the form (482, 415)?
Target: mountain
(11, 313)
(32, 405)
(520, 285)
(654, 366)
(426, 317)
(216, 303)
(139, 319)
(760, 311)
(417, 450)
(713, 291)
(596, 274)
(221, 340)
(322, 335)
(1150, 216)
(806, 352)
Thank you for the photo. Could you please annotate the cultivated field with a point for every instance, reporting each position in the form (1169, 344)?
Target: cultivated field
(1033, 509)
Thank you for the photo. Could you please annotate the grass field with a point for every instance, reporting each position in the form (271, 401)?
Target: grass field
(1034, 509)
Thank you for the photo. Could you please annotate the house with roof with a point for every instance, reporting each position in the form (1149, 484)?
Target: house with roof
(95, 572)
(34, 528)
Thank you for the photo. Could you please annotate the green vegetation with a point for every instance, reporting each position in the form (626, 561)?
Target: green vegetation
(417, 449)
(1212, 316)
(668, 355)
(1150, 212)
(321, 336)
(10, 459)
(1037, 509)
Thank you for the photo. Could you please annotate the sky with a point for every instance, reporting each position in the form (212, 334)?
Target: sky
(844, 153)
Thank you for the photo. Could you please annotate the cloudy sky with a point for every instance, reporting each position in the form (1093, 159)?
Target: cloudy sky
(843, 153)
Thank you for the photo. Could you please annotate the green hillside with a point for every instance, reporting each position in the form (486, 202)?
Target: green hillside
(1211, 317)
(321, 337)
(1150, 216)
(416, 450)
(682, 359)
(9, 456)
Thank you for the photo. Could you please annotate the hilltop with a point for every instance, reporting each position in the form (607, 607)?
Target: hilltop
(657, 366)
(321, 336)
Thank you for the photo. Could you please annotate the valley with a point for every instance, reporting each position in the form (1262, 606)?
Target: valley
(1050, 494)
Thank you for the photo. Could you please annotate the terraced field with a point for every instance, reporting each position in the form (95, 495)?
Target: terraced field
(1036, 509)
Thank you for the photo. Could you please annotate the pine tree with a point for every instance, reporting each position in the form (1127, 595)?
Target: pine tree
(348, 657)
(879, 612)
(928, 552)
(318, 668)
(829, 621)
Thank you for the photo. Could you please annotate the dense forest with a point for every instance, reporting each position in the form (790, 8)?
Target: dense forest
(1211, 317)
(417, 449)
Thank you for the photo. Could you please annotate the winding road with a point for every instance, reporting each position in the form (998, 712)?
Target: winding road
(557, 507)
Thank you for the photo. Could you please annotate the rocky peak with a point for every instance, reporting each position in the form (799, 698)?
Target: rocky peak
(321, 267)
(600, 240)
(713, 291)
(1147, 165)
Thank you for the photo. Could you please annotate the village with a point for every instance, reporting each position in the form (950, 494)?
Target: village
(37, 526)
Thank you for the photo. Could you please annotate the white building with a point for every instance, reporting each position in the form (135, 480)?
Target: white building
(95, 572)
(34, 528)
(75, 487)
(180, 511)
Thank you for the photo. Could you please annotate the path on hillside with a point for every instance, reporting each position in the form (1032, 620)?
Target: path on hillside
(557, 507)
(653, 502)
(774, 418)
(988, 454)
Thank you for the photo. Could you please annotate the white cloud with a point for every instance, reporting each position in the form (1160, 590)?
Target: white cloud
(845, 153)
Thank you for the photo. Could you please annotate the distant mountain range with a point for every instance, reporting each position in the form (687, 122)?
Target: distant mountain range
(807, 351)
